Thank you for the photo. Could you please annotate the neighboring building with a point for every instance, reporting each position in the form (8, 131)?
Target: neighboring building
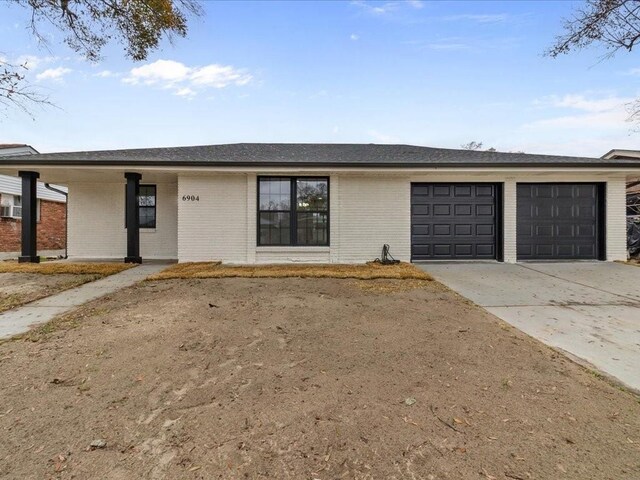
(51, 212)
(633, 183)
(269, 203)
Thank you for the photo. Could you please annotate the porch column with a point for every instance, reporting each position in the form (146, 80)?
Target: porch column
(29, 217)
(133, 217)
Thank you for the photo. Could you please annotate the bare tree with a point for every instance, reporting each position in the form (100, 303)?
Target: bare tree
(88, 25)
(615, 24)
(15, 91)
(472, 145)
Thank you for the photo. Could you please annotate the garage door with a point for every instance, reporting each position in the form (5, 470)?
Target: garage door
(559, 221)
(453, 221)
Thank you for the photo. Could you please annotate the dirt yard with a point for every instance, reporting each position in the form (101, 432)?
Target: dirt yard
(303, 379)
(20, 288)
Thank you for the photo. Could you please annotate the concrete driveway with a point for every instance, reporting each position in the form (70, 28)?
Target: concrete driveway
(591, 310)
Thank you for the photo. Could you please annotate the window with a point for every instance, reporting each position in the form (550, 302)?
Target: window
(146, 206)
(14, 207)
(303, 221)
(17, 206)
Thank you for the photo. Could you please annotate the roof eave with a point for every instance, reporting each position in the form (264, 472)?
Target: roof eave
(30, 161)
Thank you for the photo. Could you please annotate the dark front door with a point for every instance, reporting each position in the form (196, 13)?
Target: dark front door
(559, 221)
(454, 221)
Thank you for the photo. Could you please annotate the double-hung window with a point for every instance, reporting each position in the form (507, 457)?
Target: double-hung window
(293, 211)
(146, 206)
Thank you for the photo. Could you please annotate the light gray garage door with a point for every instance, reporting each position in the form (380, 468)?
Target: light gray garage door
(453, 221)
(559, 221)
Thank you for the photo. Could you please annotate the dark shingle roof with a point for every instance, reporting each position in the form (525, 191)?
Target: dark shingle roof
(303, 154)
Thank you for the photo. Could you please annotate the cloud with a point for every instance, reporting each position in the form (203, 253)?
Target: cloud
(106, 74)
(53, 74)
(582, 102)
(219, 76)
(354, 37)
(380, 9)
(165, 72)
(382, 137)
(586, 112)
(477, 18)
(32, 62)
(185, 80)
(447, 46)
(185, 92)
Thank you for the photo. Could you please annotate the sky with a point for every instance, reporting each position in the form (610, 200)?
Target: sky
(438, 74)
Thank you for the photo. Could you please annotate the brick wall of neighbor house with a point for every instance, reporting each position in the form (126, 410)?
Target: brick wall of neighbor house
(96, 222)
(51, 235)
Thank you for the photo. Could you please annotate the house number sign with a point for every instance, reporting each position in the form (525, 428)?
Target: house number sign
(191, 198)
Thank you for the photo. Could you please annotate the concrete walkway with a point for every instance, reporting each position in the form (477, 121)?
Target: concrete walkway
(591, 310)
(21, 319)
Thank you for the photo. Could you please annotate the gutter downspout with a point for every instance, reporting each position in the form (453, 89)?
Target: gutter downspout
(66, 216)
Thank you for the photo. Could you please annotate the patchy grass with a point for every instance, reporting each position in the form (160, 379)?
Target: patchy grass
(246, 378)
(60, 323)
(17, 289)
(58, 268)
(368, 271)
(390, 285)
(22, 283)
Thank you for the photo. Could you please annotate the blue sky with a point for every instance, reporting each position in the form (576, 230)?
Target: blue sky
(426, 73)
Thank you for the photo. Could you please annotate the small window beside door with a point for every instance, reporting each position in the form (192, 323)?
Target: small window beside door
(146, 206)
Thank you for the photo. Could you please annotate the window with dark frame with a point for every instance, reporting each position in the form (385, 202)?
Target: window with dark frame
(146, 206)
(293, 211)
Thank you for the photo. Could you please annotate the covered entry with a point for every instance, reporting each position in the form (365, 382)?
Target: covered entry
(454, 221)
(560, 221)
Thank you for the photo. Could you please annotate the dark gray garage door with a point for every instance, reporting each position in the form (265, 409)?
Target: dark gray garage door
(453, 221)
(559, 221)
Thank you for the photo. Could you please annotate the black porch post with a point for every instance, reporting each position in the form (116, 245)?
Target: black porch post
(29, 217)
(133, 218)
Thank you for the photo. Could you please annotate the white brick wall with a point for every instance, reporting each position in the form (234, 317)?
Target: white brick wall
(96, 222)
(215, 227)
(509, 220)
(367, 211)
(616, 219)
(373, 210)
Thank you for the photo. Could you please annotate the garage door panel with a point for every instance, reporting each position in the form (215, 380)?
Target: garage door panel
(462, 190)
(484, 211)
(557, 221)
(421, 229)
(422, 209)
(464, 229)
(441, 210)
(461, 222)
(485, 230)
(464, 210)
(485, 191)
(441, 190)
(439, 230)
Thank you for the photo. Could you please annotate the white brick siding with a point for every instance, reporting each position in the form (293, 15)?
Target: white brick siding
(96, 222)
(373, 210)
(616, 219)
(509, 220)
(215, 227)
(367, 210)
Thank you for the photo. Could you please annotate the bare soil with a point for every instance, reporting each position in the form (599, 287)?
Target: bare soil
(19, 288)
(303, 379)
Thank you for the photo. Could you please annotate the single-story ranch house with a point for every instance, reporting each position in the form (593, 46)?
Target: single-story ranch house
(270, 203)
